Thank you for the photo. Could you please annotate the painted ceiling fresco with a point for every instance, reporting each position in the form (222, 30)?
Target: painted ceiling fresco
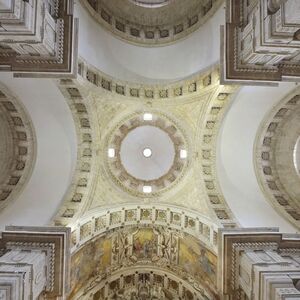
(176, 252)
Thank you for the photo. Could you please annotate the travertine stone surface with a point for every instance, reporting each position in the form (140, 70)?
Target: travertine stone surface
(38, 38)
(34, 263)
(258, 263)
(261, 42)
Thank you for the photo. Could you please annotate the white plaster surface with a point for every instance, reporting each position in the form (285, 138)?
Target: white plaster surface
(129, 62)
(56, 152)
(162, 152)
(235, 156)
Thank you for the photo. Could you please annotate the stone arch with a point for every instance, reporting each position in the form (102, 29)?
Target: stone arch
(274, 157)
(143, 244)
(17, 147)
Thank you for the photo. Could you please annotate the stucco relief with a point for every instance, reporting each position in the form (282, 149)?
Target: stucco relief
(100, 110)
(81, 183)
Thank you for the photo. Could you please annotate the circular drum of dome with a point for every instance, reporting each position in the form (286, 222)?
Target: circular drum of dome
(147, 153)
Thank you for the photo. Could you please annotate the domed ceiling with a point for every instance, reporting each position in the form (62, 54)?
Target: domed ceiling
(141, 144)
(151, 22)
(145, 208)
(147, 153)
(145, 203)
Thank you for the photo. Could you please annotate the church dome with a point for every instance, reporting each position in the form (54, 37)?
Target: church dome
(151, 22)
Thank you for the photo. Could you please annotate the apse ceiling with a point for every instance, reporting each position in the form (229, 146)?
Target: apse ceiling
(151, 22)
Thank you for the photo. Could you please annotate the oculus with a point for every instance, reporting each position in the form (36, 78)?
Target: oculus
(149, 154)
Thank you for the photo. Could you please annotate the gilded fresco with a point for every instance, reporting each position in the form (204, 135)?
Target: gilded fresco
(197, 261)
(144, 243)
(89, 261)
(182, 254)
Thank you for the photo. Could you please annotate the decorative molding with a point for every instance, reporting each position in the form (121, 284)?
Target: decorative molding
(100, 221)
(81, 186)
(48, 248)
(202, 82)
(208, 136)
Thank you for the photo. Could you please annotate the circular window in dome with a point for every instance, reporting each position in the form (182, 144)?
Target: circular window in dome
(147, 154)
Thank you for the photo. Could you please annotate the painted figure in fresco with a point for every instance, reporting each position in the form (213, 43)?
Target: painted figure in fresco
(143, 250)
(137, 247)
(147, 249)
(207, 266)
